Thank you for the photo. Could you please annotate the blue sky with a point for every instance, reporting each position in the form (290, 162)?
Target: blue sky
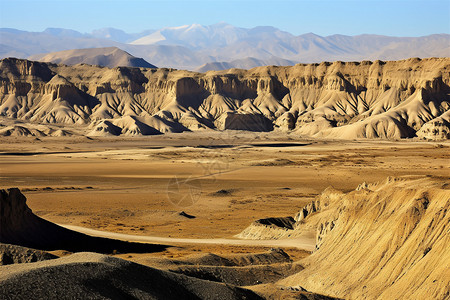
(351, 17)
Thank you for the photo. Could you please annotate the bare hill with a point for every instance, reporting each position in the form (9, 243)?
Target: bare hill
(96, 276)
(366, 99)
(110, 57)
(387, 240)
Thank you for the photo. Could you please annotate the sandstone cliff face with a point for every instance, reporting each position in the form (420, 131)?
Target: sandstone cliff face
(387, 240)
(382, 241)
(343, 100)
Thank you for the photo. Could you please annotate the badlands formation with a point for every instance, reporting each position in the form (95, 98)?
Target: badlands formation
(392, 100)
(381, 241)
(276, 217)
(262, 184)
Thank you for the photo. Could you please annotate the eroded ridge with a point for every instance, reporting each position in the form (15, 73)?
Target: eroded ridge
(394, 99)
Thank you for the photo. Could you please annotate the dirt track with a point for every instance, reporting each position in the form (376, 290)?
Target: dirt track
(304, 243)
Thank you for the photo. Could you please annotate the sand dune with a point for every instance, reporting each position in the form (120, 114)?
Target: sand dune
(388, 100)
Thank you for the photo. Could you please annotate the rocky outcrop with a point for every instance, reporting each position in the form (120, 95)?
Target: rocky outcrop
(270, 228)
(340, 100)
(436, 129)
(382, 241)
(104, 128)
(19, 226)
(12, 254)
(307, 210)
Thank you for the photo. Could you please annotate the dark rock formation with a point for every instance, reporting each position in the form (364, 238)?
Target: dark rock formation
(19, 226)
(13, 254)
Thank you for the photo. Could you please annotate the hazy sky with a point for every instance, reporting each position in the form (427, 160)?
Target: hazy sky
(351, 17)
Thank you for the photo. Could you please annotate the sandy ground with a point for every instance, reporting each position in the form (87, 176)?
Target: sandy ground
(305, 243)
(139, 186)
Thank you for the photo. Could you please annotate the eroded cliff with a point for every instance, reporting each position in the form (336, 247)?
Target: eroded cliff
(378, 99)
(386, 240)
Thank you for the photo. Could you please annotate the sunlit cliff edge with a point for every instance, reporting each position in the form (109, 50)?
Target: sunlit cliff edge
(347, 100)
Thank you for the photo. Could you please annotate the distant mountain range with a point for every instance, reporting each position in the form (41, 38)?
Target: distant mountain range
(244, 63)
(225, 46)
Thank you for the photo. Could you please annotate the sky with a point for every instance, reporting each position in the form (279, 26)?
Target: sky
(351, 17)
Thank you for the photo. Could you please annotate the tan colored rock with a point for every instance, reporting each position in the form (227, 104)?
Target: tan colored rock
(382, 241)
(346, 100)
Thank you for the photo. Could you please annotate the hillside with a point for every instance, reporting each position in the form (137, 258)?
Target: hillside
(387, 240)
(106, 57)
(395, 99)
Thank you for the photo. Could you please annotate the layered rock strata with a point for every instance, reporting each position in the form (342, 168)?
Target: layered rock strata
(394, 99)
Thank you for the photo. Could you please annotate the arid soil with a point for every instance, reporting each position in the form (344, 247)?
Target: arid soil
(128, 186)
(208, 186)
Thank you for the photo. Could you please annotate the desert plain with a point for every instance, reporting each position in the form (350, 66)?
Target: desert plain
(316, 181)
(128, 186)
(195, 192)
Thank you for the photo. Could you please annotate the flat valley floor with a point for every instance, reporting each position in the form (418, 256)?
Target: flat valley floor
(222, 181)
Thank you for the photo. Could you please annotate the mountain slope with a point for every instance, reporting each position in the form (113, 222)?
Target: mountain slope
(191, 46)
(245, 63)
(117, 34)
(106, 57)
(195, 36)
(22, 44)
(336, 100)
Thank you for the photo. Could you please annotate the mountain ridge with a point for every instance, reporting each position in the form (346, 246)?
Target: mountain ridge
(189, 47)
(244, 63)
